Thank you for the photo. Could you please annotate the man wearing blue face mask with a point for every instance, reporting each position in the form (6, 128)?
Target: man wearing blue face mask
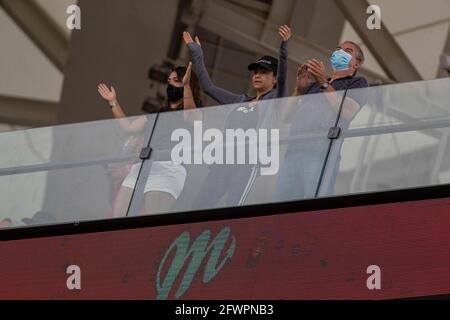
(345, 61)
(314, 115)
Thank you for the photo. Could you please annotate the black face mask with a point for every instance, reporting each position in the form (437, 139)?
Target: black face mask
(174, 94)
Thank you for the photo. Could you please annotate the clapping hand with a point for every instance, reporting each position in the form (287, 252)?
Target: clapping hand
(303, 77)
(317, 69)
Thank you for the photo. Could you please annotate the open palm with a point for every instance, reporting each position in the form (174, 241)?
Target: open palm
(188, 39)
(285, 32)
(106, 93)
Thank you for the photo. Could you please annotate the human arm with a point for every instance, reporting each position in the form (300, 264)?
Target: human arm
(188, 98)
(282, 89)
(219, 94)
(110, 96)
(189, 102)
(351, 106)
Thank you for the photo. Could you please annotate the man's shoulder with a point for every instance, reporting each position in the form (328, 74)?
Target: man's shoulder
(359, 82)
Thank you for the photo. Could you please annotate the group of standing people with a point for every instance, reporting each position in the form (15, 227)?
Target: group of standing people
(185, 87)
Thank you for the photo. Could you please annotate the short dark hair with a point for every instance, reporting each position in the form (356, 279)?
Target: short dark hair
(359, 52)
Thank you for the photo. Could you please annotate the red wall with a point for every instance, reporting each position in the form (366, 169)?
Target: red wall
(317, 255)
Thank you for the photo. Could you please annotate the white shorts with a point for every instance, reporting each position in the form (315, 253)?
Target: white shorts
(165, 176)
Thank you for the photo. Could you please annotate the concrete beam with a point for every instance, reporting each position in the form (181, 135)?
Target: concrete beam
(254, 5)
(309, 19)
(282, 11)
(26, 112)
(443, 73)
(447, 44)
(381, 43)
(40, 28)
(257, 35)
(118, 50)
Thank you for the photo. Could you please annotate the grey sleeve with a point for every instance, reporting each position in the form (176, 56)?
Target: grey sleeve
(222, 96)
(282, 87)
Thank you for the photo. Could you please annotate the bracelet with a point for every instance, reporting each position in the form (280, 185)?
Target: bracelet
(113, 104)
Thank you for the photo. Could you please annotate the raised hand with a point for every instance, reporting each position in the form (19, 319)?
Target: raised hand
(187, 76)
(106, 93)
(285, 32)
(188, 39)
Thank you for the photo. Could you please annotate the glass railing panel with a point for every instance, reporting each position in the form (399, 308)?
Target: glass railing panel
(404, 103)
(228, 156)
(57, 196)
(71, 173)
(236, 155)
(68, 143)
(399, 139)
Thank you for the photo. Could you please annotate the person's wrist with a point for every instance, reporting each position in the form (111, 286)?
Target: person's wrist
(113, 103)
(299, 90)
(323, 80)
(325, 85)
